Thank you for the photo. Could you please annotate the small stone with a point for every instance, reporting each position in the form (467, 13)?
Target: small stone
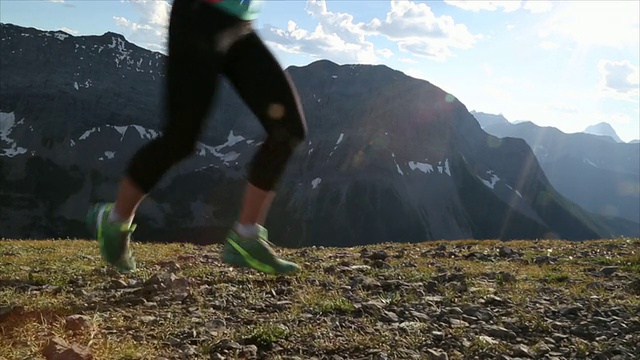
(171, 266)
(437, 355)
(420, 316)
(438, 335)
(478, 312)
(380, 264)
(389, 316)
(609, 270)
(173, 341)
(58, 349)
(379, 255)
(521, 350)
(458, 323)
(118, 284)
(493, 300)
(226, 344)
(488, 340)
(249, 352)
(542, 348)
(189, 350)
(147, 319)
(543, 260)
(77, 322)
(570, 310)
(381, 356)
(499, 332)
(506, 277)
(505, 251)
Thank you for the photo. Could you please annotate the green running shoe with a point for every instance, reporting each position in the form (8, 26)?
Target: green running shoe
(255, 253)
(114, 239)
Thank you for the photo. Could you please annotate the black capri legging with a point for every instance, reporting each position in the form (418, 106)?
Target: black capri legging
(205, 42)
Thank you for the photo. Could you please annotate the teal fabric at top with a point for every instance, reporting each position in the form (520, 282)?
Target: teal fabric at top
(243, 9)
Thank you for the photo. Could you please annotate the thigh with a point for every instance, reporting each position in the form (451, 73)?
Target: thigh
(264, 86)
(192, 70)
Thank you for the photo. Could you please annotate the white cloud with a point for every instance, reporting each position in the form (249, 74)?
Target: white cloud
(538, 6)
(486, 68)
(418, 31)
(478, 5)
(549, 45)
(150, 30)
(412, 26)
(619, 79)
(319, 44)
(596, 23)
(385, 53)
(562, 107)
(534, 6)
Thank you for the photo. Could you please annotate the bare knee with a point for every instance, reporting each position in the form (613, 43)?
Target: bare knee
(290, 120)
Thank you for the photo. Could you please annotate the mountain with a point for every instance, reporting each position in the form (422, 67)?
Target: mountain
(603, 129)
(388, 157)
(491, 119)
(600, 175)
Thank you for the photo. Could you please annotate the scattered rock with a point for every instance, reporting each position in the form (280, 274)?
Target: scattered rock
(437, 355)
(77, 322)
(499, 332)
(545, 260)
(58, 349)
(608, 270)
(505, 251)
(521, 350)
(490, 320)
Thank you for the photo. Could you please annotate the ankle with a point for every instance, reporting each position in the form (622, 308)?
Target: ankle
(115, 217)
(246, 230)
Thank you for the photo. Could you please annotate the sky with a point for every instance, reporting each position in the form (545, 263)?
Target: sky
(566, 64)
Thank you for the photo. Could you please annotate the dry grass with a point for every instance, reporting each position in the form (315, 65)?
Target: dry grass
(119, 332)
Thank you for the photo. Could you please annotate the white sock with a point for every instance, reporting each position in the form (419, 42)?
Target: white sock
(247, 230)
(114, 217)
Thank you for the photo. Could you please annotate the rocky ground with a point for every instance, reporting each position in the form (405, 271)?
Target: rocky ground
(434, 300)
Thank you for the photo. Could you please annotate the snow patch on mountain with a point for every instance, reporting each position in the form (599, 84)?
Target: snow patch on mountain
(60, 36)
(424, 167)
(120, 129)
(444, 168)
(516, 191)
(231, 140)
(589, 162)
(491, 183)
(87, 133)
(7, 124)
(146, 133)
(393, 155)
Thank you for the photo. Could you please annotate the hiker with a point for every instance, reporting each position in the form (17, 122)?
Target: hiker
(208, 38)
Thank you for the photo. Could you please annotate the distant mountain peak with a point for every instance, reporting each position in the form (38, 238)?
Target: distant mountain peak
(486, 119)
(603, 129)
